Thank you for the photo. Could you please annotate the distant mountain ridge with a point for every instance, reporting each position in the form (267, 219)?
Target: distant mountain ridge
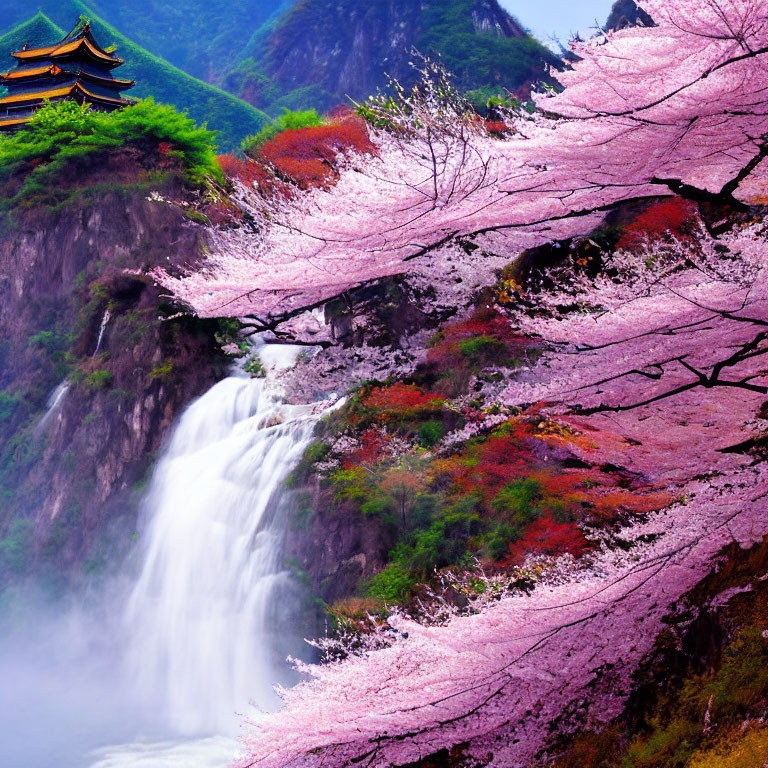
(626, 13)
(292, 53)
(322, 51)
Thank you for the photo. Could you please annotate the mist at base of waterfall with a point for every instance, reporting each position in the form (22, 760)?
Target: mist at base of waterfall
(65, 701)
(213, 752)
(157, 670)
(63, 692)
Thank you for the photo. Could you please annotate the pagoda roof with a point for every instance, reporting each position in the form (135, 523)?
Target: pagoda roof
(68, 90)
(20, 75)
(75, 41)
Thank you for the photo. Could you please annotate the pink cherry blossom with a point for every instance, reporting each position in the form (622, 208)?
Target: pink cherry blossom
(679, 107)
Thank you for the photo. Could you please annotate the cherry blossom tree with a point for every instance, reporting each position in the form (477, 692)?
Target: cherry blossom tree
(643, 362)
(659, 363)
(675, 108)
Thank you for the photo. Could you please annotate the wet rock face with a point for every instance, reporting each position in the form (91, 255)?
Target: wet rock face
(74, 463)
(337, 548)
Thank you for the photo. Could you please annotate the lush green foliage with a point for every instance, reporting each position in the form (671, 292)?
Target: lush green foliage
(392, 585)
(61, 136)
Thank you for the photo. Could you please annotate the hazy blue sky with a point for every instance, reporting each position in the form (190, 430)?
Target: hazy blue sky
(561, 17)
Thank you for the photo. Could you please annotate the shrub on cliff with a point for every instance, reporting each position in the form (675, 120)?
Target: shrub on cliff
(288, 121)
(308, 155)
(61, 135)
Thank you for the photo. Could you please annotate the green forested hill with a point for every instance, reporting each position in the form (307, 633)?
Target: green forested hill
(232, 118)
(37, 31)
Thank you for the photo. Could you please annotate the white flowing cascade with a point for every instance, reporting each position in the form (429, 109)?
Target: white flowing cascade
(206, 609)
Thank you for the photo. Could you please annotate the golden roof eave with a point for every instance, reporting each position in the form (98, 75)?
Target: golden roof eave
(23, 74)
(14, 121)
(96, 97)
(62, 92)
(50, 94)
(62, 50)
(16, 75)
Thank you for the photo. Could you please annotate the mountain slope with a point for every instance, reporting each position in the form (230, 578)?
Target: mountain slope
(231, 117)
(325, 50)
(38, 31)
(200, 36)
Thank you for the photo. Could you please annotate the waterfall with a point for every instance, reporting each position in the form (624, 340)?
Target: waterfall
(102, 328)
(55, 399)
(207, 614)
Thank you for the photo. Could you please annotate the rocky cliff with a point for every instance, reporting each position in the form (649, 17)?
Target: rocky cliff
(322, 52)
(91, 375)
(626, 13)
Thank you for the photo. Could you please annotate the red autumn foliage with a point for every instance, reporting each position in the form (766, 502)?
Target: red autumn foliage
(498, 461)
(547, 537)
(308, 156)
(402, 399)
(249, 172)
(372, 442)
(673, 215)
(496, 127)
(447, 352)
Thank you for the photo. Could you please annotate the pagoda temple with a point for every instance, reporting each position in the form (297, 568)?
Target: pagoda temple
(77, 68)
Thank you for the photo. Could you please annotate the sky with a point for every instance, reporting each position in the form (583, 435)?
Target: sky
(559, 17)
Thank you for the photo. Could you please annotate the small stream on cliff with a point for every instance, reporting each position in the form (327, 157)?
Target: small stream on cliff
(211, 611)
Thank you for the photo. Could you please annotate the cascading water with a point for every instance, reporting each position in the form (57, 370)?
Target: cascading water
(205, 613)
(55, 401)
(103, 327)
(211, 611)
